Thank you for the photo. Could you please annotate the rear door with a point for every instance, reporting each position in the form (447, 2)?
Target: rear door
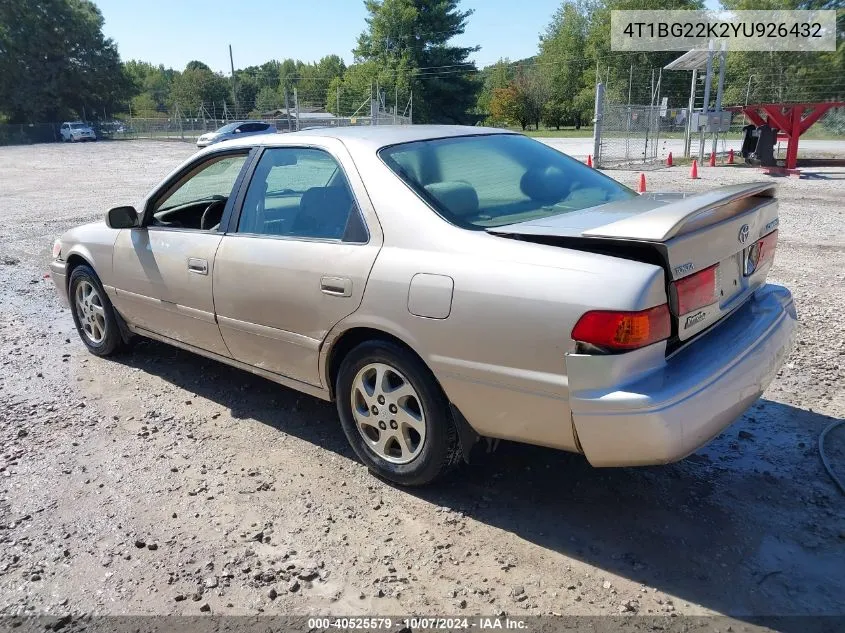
(296, 258)
(164, 269)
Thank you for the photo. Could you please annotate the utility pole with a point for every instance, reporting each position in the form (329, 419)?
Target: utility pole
(234, 86)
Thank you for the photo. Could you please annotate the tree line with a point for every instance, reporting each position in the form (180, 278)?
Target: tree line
(55, 63)
(556, 87)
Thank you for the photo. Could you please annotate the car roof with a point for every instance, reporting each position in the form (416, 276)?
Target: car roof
(365, 137)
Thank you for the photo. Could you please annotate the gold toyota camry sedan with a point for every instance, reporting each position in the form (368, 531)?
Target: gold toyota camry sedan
(445, 285)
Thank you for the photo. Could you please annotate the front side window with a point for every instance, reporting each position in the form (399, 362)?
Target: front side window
(198, 199)
(300, 192)
(484, 181)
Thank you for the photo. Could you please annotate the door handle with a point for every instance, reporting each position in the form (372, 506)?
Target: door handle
(336, 286)
(198, 266)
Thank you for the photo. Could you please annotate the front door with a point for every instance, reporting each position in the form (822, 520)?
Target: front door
(164, 269)
(295, 261)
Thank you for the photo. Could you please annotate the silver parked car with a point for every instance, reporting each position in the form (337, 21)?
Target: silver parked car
(75, 131)
(238, 129)
(446, 284)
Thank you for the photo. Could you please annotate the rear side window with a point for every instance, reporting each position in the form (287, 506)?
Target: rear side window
(253, 127)
(492, 180)
(300, 192)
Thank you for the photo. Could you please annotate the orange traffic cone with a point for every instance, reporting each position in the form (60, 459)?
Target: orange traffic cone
(641, 186)
(589, 160)
(693, 172)
(713, 159)
(669, 160)
(731, 156)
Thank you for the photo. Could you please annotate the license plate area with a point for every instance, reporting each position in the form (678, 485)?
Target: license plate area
(730, 282)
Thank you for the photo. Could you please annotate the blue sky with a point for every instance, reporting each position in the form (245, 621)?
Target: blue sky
(173, 32)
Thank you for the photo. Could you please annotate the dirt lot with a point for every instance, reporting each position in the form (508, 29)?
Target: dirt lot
(160, 482)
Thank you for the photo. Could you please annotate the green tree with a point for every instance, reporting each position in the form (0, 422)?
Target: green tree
(154, 85)
(266, 100)
(492, 78)
(506, 107)
(356, 89)
(782, 77)
(288, 71)
(561, 61)
(198, 86)
(247, 90)
(56, 63)
(409, 42)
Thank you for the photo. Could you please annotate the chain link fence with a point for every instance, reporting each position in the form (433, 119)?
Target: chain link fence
(629, 134)
(644, 114)
(186, 124)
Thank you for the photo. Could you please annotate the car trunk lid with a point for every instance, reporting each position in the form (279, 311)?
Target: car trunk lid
(705, 242)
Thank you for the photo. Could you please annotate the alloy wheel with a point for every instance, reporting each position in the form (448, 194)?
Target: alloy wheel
(90, 312)
(388, 413)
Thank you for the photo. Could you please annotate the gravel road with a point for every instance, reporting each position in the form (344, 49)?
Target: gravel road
(160, 482)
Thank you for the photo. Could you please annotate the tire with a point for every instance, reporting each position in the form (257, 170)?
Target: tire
(410, 437)
(93, 314)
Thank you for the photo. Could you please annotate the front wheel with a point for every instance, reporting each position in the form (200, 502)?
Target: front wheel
(93, 313)
(395, 415)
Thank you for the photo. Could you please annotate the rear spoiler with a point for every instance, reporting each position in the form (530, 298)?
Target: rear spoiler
(687, 214)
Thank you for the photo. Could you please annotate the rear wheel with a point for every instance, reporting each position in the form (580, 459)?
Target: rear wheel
(93, 313)
(395, 415)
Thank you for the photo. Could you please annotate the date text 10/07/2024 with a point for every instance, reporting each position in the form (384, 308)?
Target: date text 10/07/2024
(416, 623)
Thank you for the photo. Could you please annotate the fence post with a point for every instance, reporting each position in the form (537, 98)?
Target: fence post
(597, 121)
(179, 115)
(287, 108)
(690, 110)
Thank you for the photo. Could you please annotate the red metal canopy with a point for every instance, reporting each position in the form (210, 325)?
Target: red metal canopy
(790, 120)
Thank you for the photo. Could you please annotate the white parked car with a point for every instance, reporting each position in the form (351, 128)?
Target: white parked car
(238, 129)
(73, 131)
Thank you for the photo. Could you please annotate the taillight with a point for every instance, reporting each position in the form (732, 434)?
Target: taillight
(759, 253)
(695, 291)
(623, 330)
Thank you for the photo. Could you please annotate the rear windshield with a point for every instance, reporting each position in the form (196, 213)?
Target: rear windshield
(484, 181)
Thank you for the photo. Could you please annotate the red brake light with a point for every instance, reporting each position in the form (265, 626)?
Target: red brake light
(624, 330)
(767, 247)
(695, 291)
(759, 253)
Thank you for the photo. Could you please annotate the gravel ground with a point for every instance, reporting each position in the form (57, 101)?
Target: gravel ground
(160, 482)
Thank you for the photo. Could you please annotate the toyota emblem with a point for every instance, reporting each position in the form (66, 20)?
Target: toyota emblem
(743, 234)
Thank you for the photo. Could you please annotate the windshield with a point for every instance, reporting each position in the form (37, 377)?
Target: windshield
(78, 126)
(490, 180)
(231, 127)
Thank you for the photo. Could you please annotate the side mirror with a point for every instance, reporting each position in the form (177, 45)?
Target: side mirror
(122, 218)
